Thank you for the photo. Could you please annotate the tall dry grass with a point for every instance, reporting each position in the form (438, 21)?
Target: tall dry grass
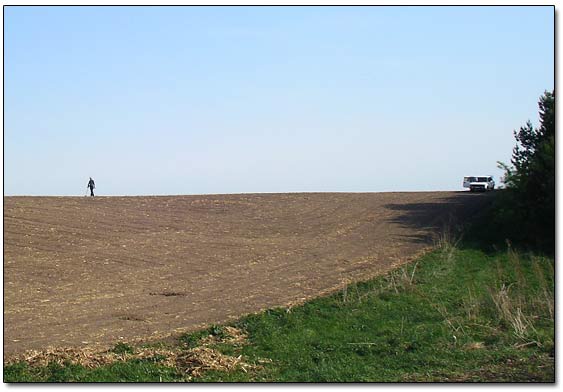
(528, 299)
(447, 243)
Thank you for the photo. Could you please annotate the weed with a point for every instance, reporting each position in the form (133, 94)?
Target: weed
(516, 266)
(122, 348)
(401, 279)
(451, 321)
(217, 330)
(447, 243)
(546, 299)
(471, 305)
(510, 310)
(523, 295)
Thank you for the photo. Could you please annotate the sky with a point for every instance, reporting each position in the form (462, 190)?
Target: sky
(206, 100)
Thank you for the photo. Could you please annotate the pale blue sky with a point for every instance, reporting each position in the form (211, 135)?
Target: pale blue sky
(191, 100)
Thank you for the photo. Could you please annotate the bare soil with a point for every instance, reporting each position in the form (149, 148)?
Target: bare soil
(82, 272)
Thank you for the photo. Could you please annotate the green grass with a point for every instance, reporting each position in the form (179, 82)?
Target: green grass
(131, 371)
(453, 315)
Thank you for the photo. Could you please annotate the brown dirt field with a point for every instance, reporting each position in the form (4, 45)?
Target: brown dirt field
(81, 271)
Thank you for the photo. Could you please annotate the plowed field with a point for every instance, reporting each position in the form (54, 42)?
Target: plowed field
(94, 271)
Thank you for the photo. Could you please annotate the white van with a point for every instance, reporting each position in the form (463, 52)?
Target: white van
(479, 183)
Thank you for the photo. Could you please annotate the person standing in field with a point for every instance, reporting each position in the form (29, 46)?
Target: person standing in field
(91, 185)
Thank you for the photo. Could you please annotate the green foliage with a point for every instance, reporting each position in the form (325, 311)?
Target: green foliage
(531, 142)
(130, 371)
(122, 348)
(528, 206)
(191, 340)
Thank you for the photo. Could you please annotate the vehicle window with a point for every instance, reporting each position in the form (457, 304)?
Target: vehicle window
(482, 179)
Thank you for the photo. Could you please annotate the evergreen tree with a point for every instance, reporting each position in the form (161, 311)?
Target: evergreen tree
(532, 177)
